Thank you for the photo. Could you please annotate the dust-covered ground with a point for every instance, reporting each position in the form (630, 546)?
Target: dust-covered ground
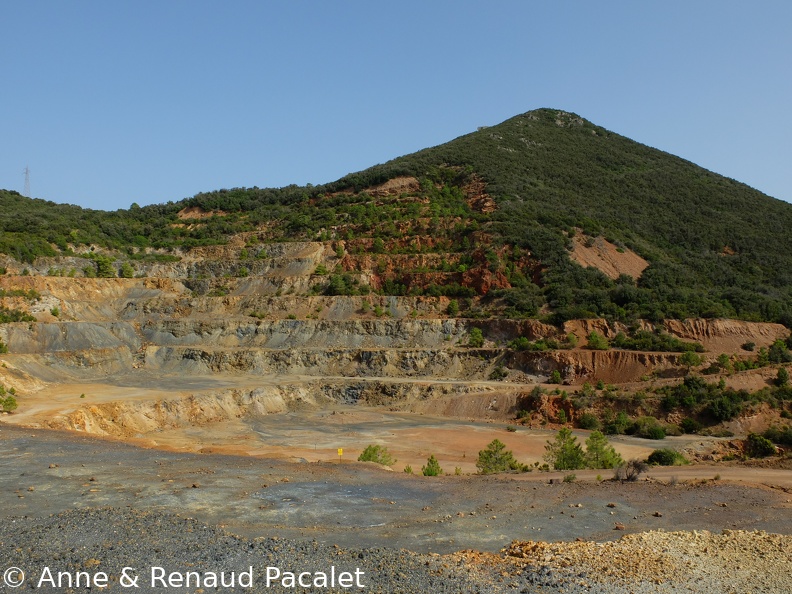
(121, 505)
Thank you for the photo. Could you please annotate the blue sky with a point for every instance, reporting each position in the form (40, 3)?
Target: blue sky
(111, 103)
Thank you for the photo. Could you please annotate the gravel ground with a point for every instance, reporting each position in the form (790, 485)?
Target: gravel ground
(109, 539)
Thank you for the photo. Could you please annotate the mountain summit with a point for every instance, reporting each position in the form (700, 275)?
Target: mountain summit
(543, 214)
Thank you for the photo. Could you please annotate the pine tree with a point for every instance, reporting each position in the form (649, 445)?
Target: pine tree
(432, 467)
(496, 458)
(600, 454)
(565, 453)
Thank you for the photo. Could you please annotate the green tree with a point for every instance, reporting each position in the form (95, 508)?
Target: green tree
(127, 271)
(724, 362)
(597, 341)
(476, 338)
(104, 267)
(555, 377)
(378, 454)
(432, 467)
(782, 378)
(690, 359)
(453, 308)
(779, 353)
(496, 458)
(564, 452)
(9, 404)
(588, 421)
(600, 453)
(758, 446)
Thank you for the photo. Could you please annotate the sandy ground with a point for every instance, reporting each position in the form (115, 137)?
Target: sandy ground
(314, 434)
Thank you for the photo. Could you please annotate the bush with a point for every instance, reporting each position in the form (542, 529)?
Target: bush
(782, 435)
(689, 425)
(666, 457)
(378, 454)
(555, 377)
(597, 342)
(782, 378)
(126, 271)
(499, 373)
(432, 467)
(9, 404)
(588, 421)
(757, 446)
(453, 308)
(496, 458)
(630, 471)
(648, 428)
(476, 338)
(690, 359)
(617, 425)
(408, 469)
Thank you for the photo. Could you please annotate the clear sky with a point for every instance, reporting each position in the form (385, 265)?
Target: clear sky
(111, 103)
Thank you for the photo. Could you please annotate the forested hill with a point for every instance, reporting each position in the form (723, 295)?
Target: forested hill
(516, 197)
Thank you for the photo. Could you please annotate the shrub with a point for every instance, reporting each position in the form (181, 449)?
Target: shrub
(597, 341)
(476, 338)
(496, 458)
(666, 457)
(9, 404)
(690, 359)
(378, 454)
(408, 469)
(617, 425)
(453, 308)
(630, 471)
(759, 447)
(588, 421)
(499, 373)
(570, 478)
(432, 467)
(555, 377)
(648, 428)
(782, 435)
(126, 271)
(689, 425)
(782, 378)
(723, 408)
(55, 311)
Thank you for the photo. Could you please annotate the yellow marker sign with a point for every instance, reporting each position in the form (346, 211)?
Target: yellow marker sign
(340, 451)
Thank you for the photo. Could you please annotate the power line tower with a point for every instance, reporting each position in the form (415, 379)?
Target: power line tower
(26, 191)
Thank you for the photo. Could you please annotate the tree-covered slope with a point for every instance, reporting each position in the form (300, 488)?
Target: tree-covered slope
(715, 247)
